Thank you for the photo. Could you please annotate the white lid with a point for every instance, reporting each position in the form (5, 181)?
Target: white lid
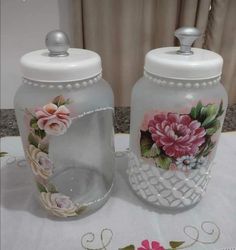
(58, 65)
(184, 63)
(165, 62)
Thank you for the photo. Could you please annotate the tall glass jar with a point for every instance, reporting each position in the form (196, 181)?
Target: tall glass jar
(177, 112)
(64, 111)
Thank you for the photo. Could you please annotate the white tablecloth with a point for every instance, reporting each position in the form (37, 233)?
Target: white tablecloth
(124, 219)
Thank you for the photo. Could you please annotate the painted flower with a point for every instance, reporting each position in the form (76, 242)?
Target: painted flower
(58, 204)
(53, 119)
(186, 162)
(154, 246)
(178, 135)
(40, 164)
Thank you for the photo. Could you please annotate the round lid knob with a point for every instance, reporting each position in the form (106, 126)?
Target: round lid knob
(57, 43)
(186, 36)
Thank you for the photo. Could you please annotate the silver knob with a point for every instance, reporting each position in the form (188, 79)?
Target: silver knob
(57, 43)
(186, 36)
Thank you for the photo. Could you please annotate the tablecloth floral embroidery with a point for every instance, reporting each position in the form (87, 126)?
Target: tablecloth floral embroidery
(193, 234)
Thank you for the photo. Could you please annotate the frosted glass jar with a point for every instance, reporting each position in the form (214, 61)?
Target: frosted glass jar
(64, 111)
(177, 111)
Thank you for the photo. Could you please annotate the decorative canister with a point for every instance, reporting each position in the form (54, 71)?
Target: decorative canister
(64, 111)
(177, 112)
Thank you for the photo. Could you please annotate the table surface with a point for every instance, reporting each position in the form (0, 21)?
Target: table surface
(124, 220)
(9, 127)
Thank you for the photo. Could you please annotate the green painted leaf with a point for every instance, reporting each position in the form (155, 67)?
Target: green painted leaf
(40, 133)
(146, 143)
(33, 140)
(2, 154)
(153, 152)
(43, 147)
(163, 162)
(195, 111)
(33, 121)
(208, 114)
(175, 244)
(59, 100)
(130, 247)
(41, 188)
(51, 188)
(213, 128)
(220, 110)
(80, 210)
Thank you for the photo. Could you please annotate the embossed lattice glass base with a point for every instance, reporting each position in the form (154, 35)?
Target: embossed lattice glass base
(167, 189)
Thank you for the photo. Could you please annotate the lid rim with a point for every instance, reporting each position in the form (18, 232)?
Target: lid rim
(79, 65)
(165, 62)
(177, 78)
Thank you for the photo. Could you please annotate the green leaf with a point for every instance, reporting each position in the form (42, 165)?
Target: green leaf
(130, 247)
(41, 188)
(2, 154)
(59, 100)
(195, 111)
(40, 133)
(146, 143)
(220, 111)
(175, 244)
(153, 152)
(164, 161)
(51, 188)
(80, 210)
(33, 121)
(213, 128)
(43, 147)
(33, 140)
(208, 114)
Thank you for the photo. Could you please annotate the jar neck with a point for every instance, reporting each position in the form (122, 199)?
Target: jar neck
(180, 83)
(64, 85)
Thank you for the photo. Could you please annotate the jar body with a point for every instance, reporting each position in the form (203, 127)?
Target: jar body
(175, 127)
(67, 134)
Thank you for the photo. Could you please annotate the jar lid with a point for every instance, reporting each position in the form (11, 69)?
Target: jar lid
(184, 63)
(58, 63)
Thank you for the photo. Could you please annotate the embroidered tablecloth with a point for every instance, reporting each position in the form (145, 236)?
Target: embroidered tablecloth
(124, 222)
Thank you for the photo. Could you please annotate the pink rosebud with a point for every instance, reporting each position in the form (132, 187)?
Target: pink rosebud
(53, 119)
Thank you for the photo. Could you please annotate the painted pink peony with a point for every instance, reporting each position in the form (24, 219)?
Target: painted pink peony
(154, 246)
(53, 119)
(177, 135)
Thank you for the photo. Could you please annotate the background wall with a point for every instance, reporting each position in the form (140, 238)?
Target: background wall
(24, 24)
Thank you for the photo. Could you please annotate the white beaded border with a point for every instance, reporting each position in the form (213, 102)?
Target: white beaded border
(179, 84)
(68, 86)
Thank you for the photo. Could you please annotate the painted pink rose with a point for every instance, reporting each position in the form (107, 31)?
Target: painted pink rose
(53, 119)
(177, 135)
(154, 245)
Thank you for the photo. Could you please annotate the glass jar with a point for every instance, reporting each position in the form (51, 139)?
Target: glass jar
(64, 111)
(177, 112)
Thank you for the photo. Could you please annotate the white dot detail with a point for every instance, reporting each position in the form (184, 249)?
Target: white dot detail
(68, 86)
(180, 84)
(77, 85)
(60, 86)
(197, 85)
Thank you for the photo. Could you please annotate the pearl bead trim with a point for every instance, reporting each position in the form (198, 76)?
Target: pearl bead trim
(180, 84)
(68, 86)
